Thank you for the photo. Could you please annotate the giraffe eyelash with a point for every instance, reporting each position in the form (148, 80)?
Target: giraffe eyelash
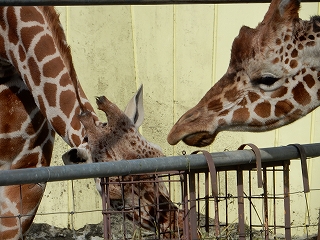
(268, 83)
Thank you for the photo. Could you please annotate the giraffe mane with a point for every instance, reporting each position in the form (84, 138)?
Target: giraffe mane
(60, 39)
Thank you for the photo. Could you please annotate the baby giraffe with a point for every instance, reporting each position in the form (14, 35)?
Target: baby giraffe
(120, 139)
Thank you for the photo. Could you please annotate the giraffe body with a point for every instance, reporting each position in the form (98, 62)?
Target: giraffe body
(40, 96)
(272, 79)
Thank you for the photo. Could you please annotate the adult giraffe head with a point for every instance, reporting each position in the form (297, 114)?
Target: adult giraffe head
(272, 79)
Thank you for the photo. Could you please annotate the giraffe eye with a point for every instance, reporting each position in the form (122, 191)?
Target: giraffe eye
(268, 83)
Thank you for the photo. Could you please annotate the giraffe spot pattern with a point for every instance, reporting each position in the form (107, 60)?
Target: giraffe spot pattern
(31, 14)
(308, 79)
(230, 95)
(253, 96)
(241, 115)
(215, 105)
(67, 101)
(53, 68)
(280, 92)
(263, 109)
(294, 53)
(293, 63)
(300, 95)
(12, 19)
(33, 66)
(283, 107)
(28, 34)
(44, 47)
(50, 91)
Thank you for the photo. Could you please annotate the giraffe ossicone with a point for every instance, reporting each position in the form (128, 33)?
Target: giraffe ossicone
(273, 79)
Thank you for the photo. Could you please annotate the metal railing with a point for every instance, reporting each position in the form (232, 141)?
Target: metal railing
(127, 167)
(121, 2)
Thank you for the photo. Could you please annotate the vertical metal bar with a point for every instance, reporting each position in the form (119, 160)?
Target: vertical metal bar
(157, 200)
(265, 201)
(193, 213)
(105, 202)
(318, 238)
(186, 230)
(242, 234)
(250, 209)
(226, 194)
(286, 192)
(274, 202)
(206, 201)
(121, 186)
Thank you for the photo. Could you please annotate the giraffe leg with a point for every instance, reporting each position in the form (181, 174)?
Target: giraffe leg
(18, 206)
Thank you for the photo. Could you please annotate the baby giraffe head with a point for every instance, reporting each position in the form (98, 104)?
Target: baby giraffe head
(119, 138)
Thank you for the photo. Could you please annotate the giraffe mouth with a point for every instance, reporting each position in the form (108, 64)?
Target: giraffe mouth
(199, 139)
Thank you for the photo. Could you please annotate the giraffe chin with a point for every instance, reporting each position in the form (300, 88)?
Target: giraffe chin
(199, 139)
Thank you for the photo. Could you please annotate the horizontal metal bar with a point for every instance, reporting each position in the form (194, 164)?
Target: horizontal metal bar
(126, 167)
(121, 2)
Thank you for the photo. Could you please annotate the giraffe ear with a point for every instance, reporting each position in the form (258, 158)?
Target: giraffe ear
(134, 109)
(289, 8)
(282, 10)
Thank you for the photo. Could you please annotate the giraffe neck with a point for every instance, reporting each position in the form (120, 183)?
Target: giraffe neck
(37, 49)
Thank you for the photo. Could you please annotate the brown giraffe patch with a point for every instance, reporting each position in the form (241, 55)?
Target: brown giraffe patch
(293, 63)
(35, 72)
(28, 161)
(318, 94)
(308, 79)
(289, 46)
(50, 91)
(12, 19)
(283, 107)
(224, 113)
(28, 34)
(294, 53)
(263, 109)
(276, 60)
(45, 47)
(31, 14)
(230, 95)
(215, 105)
(67, 101)
(279, 92)
(53, 68)
(300, 95)
(311, 44)
(253, 96)
(311, 37)
(241, 115)
(287, 38)
(58, 121)
(76, 139)
(278, 41)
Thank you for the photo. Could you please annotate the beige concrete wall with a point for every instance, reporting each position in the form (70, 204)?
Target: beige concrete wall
(177, 53)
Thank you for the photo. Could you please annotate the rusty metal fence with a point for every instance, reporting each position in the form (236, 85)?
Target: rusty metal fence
(231, 202)
(244, 194)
